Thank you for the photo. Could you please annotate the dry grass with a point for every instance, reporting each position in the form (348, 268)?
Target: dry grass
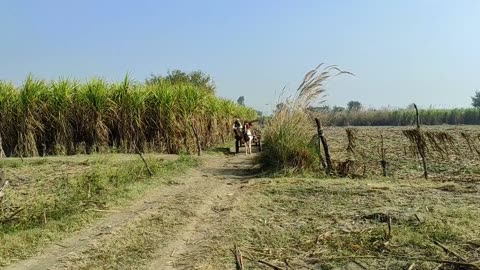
(135, 244)
(449, 159)
(288, 133)
(319, 223)
(322, 223)
(53, 194)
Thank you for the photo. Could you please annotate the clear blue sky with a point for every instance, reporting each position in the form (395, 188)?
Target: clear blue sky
(401, 51)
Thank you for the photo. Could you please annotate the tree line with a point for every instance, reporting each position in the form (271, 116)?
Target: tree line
(355, 114)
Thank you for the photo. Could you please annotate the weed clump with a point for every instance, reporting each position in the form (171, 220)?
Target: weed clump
(288, 134)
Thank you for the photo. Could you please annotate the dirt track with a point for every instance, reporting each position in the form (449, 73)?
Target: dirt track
(200, 196)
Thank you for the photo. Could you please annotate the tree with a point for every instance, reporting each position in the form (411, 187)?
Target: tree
(338, 109)
(476, 99)
(325, 108)
(197, 78)
(241, 101)
(411, 106)
(354, 105)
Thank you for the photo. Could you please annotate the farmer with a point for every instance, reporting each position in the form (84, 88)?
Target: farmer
(237, 124)
(238, 131)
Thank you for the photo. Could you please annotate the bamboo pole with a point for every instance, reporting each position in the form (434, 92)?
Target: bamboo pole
(144, 161)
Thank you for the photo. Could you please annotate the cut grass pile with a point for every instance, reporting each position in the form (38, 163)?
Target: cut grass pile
(48, 198)
(335, 224)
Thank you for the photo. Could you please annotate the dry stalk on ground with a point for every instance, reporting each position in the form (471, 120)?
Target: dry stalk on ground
(416, 137)
(441, 142)
(351, 136)
(238, 258)
(470, 142)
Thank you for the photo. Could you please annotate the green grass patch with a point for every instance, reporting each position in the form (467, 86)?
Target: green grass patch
(53, 195)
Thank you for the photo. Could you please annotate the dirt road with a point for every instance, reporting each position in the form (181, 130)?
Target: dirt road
(159, 230)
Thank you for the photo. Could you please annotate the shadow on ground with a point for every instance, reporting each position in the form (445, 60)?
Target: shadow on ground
(239, 165)
(230, 151)
(222, 150)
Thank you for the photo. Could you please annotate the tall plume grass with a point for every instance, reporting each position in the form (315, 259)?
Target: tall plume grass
(288, 135)
(68, 117)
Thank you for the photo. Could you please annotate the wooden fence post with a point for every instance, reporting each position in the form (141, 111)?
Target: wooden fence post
(328, 159)
(383, 162)
(421, 144)
(320, 156)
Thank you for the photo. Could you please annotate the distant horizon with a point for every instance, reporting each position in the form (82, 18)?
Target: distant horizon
(400, 51)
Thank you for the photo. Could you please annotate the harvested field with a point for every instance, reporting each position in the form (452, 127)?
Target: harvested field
(451, 160)
(297, 223)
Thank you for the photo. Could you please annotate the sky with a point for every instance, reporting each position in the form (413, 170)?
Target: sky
(401, 51)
